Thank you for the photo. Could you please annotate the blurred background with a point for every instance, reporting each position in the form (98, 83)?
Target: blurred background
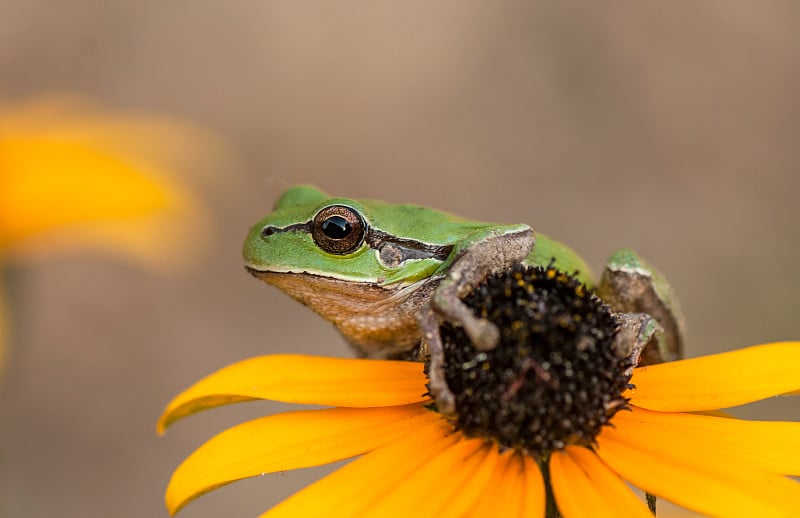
(668, 128)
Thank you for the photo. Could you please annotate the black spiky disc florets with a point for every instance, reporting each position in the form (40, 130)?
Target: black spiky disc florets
(553, 380)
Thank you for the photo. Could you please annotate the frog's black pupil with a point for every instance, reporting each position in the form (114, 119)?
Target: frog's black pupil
(336, 227)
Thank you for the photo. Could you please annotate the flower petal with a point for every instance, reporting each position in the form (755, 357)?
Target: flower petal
(463, 500)
(718, 380)
(504, 495)
(303, 379)
(708, 483)
(353, 489)
(772, 446)
(289, 441)
(440, 485)
(584, 486)
(535, 497)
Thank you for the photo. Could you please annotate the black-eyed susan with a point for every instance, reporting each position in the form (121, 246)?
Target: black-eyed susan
(74, 176)
(570, 414)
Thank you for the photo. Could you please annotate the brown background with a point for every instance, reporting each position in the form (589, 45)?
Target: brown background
(669, 128)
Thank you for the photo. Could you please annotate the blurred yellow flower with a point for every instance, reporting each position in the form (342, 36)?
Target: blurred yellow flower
(415, 462)
(73, 176)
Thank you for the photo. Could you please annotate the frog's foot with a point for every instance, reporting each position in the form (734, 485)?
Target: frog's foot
(483, 334)
(492, 253)
(640, 338)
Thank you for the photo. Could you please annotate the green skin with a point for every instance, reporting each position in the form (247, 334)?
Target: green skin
(388, 291)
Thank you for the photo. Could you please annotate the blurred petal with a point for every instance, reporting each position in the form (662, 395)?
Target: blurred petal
(303, 379)
(3, 322)
(355, 488)
(72, 178)
(585, 487)
(772, 446)
(718, 380)
(148, 139)
(289, 441)
(697, 478)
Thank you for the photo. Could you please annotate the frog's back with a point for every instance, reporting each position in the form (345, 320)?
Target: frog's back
(421, 223)
(440, 227)
(564, 258)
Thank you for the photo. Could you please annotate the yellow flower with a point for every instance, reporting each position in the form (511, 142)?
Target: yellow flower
(413, 462)
(74, 177)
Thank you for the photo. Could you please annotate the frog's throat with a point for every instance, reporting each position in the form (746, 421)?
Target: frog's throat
(378, 320)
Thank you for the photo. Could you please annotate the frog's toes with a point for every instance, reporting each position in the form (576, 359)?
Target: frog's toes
(483, 334)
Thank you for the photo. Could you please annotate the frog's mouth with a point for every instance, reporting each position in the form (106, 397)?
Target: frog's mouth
(301, 285)
(277, 277)
(255, 272)
(273, 276)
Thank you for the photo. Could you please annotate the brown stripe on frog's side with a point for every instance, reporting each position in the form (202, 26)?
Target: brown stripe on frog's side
(393, 251)
(294, 227)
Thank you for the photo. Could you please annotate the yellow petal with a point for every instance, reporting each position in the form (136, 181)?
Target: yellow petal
(289, 441)
(303, 379)
(354, 489)
(464, 497)
(585, 487)
(772, 446)
(512, 489)
(718, 380)
(489, 498)
(504, 495)
(438, 485)
(535, 498)
(711, 484)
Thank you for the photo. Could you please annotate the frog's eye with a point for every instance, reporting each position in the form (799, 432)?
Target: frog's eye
(338, 229)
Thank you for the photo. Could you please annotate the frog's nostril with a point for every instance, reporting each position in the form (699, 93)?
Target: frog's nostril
(268, 231)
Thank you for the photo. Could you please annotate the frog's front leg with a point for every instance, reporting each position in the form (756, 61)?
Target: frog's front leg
(630, 285)
(432, 351)
(489, 252)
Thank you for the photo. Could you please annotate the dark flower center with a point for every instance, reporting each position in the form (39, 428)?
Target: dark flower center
(555, 377)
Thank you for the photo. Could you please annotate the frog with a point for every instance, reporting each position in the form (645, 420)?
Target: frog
(386, 275)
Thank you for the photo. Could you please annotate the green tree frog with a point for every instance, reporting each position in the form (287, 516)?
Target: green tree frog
(386, 274)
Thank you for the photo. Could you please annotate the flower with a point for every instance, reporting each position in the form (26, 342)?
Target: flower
(75, 177)
(554, 415)
(413, 462)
